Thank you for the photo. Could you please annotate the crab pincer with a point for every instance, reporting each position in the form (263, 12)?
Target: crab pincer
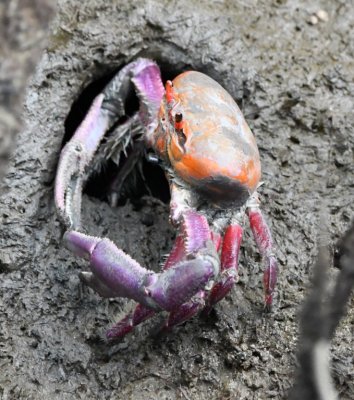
(200, 137)
(116, 274)
(107, 108)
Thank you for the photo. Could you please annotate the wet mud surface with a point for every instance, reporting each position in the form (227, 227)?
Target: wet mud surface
(23, 30)
(293, 79)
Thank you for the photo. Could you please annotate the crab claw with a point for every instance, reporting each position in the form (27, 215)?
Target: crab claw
(116, 274)
(105, 111)
(74, 158)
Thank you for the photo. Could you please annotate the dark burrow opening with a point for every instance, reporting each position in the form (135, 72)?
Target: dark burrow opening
(152, 180)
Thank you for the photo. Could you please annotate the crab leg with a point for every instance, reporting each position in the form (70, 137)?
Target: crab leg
(264, 241)
(129, 322)
(228, 265)
(105, 111)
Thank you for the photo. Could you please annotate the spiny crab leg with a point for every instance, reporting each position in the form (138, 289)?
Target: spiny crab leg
(105, 111)
(230, 253)
(114, 270)
(264, 241)
(228, 265)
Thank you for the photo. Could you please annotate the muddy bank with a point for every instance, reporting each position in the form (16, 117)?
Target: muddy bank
(23, 29)
(293, 80)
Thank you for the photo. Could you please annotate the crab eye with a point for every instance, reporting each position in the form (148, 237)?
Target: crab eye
(179, 129)
(178, 117)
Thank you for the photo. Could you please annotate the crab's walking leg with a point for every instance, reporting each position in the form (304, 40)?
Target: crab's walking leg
(129, 322)
(105, 111)
(228, 265)
(264, 241)
(128, 166)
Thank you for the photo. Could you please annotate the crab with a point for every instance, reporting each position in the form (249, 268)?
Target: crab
(194, 129)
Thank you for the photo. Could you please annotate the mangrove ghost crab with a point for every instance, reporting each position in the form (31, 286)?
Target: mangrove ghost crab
(195, 131)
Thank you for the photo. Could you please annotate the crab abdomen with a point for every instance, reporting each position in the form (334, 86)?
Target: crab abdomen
(220, 156)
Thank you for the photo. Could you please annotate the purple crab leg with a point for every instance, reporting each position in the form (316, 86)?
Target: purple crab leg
(105, 111)
(124, 277)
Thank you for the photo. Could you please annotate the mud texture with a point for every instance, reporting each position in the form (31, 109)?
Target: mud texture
(294, 82)
(23, 26)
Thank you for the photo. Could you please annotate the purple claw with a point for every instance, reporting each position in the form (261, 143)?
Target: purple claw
(198, 228)
(124, 277)
(117, 274)
(90, 280)
(110, 265)
(177, 285)
(74, 158)
(106, 110)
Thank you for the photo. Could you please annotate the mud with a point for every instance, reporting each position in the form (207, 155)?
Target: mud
(293, 80)
(23, 26)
